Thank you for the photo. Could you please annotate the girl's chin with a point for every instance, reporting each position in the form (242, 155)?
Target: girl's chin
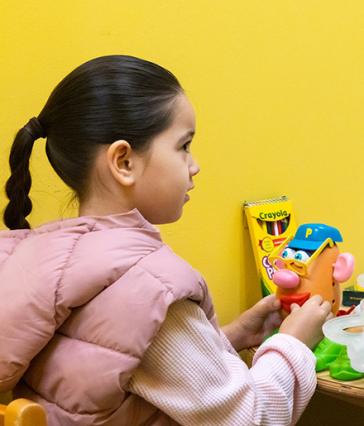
(165, 219)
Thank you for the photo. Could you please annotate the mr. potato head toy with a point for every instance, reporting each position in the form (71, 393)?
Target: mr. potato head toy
(311, 263)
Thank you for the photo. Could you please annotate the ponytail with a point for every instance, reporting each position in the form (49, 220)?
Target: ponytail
(18, 185)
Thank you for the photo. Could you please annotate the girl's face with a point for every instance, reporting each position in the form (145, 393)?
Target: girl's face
(168, 168)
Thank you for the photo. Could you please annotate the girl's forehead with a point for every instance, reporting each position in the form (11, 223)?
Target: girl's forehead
(184, 114)
(182, 126)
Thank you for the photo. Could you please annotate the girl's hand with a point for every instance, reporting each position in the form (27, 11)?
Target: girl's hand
(305, 322)
(253, 325)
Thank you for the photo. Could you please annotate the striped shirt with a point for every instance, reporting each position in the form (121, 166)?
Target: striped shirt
(193, 374)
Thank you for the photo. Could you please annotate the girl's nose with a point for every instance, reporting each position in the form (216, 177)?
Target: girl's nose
(285, 278)
(194, 168)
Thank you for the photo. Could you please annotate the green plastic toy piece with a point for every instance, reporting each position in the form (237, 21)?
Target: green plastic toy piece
(334, 357)
(326, 352)
(341, 369)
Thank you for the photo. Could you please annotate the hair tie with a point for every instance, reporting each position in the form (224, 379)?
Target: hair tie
(35, 129)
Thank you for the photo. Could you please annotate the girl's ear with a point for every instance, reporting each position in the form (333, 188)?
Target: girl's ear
(121, 162)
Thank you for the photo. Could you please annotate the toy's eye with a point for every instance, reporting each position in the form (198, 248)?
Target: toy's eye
(301, 255)
(288, 253)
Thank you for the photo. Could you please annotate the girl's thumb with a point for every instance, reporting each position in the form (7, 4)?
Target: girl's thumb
(294, 307)
(272, 301)
(267, 304)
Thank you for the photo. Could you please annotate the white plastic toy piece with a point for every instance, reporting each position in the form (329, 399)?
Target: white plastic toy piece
(335, 330)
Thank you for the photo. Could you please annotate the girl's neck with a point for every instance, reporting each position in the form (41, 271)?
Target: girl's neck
(103, 207)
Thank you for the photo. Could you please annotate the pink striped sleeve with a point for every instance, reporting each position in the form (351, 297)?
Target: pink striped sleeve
(190, 374)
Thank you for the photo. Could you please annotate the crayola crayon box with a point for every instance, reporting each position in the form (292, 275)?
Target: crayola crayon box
(270, 222)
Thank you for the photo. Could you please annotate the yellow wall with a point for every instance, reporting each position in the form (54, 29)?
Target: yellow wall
(278, 88)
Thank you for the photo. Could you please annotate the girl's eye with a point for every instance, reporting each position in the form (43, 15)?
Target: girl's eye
(186, 146)
(301, 255)
(288, 253)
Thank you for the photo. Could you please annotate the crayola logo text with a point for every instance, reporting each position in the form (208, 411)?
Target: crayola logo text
(273, 215)
(268, 267)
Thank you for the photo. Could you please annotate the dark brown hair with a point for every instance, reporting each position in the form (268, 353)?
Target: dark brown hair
(104, 100)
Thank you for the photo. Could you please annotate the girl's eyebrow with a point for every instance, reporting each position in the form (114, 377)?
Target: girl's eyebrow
(188, 134)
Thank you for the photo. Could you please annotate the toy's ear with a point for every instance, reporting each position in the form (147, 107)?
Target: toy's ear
(343, 267)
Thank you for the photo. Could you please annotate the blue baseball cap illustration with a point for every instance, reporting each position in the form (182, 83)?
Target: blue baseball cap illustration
(310, 236)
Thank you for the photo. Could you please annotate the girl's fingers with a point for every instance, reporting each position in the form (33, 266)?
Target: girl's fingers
(329, 316)
(294, 307)
(326, 306)
(316, 299)
(266, 305)
(271, 302)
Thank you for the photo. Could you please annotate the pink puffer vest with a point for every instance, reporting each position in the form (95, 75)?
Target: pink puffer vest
(80, 302)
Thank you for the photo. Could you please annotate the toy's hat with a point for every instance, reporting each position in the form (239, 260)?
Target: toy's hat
(311, 235)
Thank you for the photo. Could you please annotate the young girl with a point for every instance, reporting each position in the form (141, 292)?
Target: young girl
(101, 322)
